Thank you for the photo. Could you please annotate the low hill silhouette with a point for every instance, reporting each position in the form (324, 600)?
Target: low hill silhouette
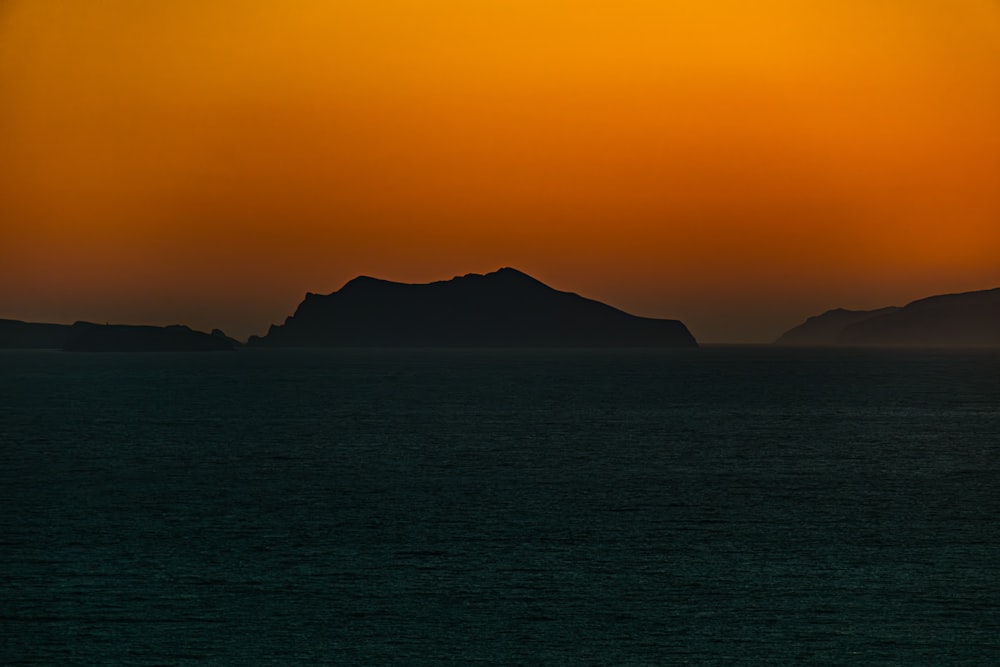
(88, 337)
(966, 319)
(38, 335)
(506, 308)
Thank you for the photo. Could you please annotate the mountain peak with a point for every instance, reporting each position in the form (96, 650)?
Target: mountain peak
(508, 273)
(502, 276)
(363, 282)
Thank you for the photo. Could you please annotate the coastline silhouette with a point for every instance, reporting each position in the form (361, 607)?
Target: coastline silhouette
(965, 319)
(508, 308)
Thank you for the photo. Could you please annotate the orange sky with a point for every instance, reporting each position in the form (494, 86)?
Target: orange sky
(737, 165)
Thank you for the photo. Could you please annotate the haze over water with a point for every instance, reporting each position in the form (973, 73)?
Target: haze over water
(722, 505)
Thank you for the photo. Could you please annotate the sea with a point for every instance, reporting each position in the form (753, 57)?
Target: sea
(713, 506)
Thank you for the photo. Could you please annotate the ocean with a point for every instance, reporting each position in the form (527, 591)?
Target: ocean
(726, 505)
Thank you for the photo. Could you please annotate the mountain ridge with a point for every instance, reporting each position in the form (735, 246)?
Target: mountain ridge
(941, 320)
(504, 308)
(823, 329)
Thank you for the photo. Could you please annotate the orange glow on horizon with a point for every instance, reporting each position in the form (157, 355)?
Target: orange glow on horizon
(736, 166)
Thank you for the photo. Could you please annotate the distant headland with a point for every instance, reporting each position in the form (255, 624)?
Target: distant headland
(89, 337)
(966, 319)
(505, 308)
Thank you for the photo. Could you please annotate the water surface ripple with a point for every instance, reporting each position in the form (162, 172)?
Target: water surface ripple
(714, 506)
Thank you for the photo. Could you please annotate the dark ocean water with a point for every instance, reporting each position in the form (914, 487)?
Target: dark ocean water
(713, 506)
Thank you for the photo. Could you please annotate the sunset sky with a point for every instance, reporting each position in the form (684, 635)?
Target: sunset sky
(737, 165)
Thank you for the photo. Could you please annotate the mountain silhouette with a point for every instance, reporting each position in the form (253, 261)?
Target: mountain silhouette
(506, 308)
(824, 329)
(969, 318)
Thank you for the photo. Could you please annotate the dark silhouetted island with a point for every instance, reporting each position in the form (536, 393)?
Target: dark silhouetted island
(505, 308)
(87, 337)
(967, 319)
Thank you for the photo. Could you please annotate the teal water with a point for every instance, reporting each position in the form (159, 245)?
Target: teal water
(713, 506)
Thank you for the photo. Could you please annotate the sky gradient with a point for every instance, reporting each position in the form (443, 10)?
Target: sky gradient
(735, 165)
